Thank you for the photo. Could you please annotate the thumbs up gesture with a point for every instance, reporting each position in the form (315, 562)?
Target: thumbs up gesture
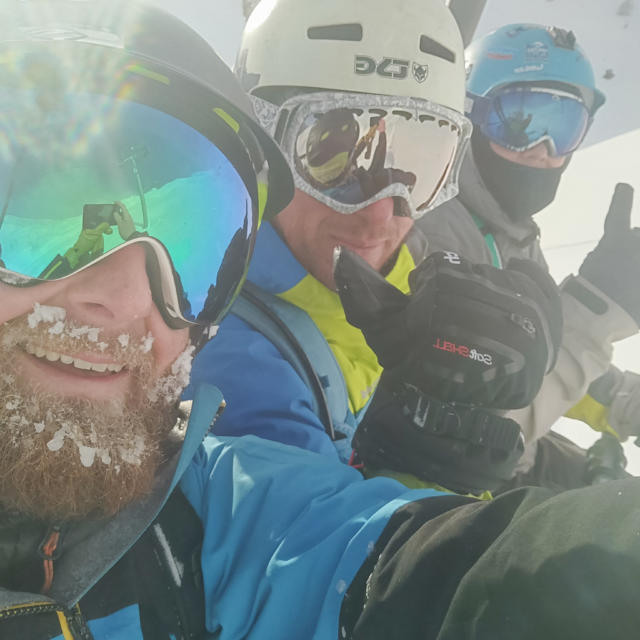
(614, 265)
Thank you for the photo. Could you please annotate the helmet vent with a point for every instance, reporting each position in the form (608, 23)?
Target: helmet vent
(350, 32)
(433, 48)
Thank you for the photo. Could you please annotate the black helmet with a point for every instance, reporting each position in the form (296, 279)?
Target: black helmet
(105, 52)
(143, 30)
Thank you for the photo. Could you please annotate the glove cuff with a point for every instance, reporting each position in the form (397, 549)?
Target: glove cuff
(616, 323)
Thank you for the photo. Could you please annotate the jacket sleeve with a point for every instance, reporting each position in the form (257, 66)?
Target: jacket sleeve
(285, 532)
(264, 394)
(589, 329)
(592, 322)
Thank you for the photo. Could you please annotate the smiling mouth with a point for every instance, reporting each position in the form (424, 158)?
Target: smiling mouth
(69, 363)
(355, 246)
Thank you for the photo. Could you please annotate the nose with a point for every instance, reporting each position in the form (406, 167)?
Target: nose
(114, 293)
(539, 151)
(379, 212)
(539, 156)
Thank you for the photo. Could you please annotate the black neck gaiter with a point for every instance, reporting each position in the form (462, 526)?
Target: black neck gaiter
(520, 191)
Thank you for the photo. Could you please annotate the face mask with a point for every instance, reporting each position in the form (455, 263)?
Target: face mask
(520, 191)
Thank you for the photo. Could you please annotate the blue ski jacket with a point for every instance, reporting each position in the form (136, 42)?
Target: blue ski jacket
(284, 533)
(266, 395)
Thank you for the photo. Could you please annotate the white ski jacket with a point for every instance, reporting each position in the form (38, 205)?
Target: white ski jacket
(474, 225)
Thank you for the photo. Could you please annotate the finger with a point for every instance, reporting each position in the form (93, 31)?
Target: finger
(363, 291)
(103, 227)
(618, 218)
(122, 211)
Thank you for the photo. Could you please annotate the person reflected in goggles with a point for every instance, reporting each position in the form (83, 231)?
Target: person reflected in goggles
(90, 242)
(333, 150)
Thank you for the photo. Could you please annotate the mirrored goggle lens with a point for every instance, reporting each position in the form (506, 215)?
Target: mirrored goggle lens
(350, 155)
(520, 119)
(80, 173)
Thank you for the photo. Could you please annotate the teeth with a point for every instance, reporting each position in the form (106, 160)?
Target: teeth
(52, 356)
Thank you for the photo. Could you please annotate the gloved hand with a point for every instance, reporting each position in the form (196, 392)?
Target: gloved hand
(467, 333)
(614, 265)
(126, 226)
(462, 448)
(89, 245)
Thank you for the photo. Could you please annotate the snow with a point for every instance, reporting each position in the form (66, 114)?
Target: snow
(146, 343)
(57, 441)
(175, 567)
(171, 386)
(133, 454)
(44, 313)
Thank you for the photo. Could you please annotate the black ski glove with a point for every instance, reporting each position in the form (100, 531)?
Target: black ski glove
(614, 265)
(467, 333)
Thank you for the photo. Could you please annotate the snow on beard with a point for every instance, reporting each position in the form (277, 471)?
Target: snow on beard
(62, 457)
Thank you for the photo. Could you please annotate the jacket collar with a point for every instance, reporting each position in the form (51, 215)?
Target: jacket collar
(478, 200)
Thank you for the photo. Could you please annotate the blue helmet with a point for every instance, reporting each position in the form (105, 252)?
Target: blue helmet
(530, 53)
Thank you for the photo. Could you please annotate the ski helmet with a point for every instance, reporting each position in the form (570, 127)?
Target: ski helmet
(530, 53)
(367, 47)
(98, 77)
(401, 69)
(527, 84)
(142, 29)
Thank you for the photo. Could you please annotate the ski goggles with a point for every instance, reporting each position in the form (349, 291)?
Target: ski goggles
(519, 118)
(348, 150)
(76, 161)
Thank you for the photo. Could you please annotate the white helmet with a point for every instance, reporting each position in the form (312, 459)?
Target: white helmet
(411, 49)
(394, 80)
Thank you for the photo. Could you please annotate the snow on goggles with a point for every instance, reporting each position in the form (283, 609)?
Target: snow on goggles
(521, 117)
(83, 173)
(350, 150)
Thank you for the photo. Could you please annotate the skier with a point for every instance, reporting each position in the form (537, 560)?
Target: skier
(114, 525)
(532, 97)
(372, 146)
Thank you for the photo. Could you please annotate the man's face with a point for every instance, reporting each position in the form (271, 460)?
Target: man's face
(312, 230)
(87, 389)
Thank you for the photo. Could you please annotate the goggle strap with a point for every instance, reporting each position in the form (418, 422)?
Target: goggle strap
(477, 108)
